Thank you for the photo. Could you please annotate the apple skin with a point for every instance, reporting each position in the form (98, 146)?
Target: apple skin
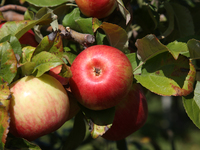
(55, 73)
(98, 9)
(27, 39)
(38, 106)
(101, 76)
(130, 115)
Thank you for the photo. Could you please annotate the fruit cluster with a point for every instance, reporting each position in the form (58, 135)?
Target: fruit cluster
(101, 78)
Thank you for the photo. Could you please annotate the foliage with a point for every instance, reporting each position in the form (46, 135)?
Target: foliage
(160, 38)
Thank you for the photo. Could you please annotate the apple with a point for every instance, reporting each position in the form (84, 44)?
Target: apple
(55, 73)
(27, 39)
(98, 9)
(101, 76)
(130, 115)
(38, 106)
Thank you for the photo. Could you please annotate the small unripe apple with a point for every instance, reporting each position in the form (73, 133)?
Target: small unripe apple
(38, 106)
(101, 76)
(55, 73)
(130, 115)
(96, 8)
(27, 39)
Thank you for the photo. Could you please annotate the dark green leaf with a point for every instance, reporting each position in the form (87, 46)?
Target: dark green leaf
(125, 13)
(183, 19)
(21, 144)
(149, 46)
(194, 48)
(77, 134)
(100, 117)
(116, 35)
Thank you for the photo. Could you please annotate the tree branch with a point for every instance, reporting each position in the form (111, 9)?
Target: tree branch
(13, 7)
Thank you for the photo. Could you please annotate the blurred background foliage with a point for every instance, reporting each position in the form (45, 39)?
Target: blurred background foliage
(168, 127)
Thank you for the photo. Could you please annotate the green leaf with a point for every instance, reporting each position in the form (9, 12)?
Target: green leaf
(69, 19)
(183, 19)
(44, 61)
(27, 53)
(85, 25)
(4, 113)
(47, 3)
(77, 134)
(194, 48)
(28, 15)
(4, 124)
(21, 144)
(19, 28)
(192, 105)
(177, 48)
(8, 62)
(14, 42)
(46, 43)
(148, 47)
(166, 76)
(135, 62)
(4, 90)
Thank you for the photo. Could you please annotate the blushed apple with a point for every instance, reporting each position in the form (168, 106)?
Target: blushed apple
(28, 38)
(38, 106)
(96, 8)
(101, 76)
(130, 115)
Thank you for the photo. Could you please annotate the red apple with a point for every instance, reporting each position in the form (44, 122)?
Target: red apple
(55, 73)
(96, 8)
(101, 76)
(38, 106)
(130, 115)
(27, 39)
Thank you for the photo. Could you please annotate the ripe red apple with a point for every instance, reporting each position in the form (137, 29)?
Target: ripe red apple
(98, 9)
(27, 39)
(55, 73)
(130, 115)
(38, 106)
(101, 76)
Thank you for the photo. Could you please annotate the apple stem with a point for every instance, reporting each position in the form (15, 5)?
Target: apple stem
(97, 71)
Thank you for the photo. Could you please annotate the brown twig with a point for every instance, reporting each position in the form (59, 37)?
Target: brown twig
(13, 7)
(12, 16)
(67, 33)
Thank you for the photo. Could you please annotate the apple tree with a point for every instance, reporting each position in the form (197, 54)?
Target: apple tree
(159, 48)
